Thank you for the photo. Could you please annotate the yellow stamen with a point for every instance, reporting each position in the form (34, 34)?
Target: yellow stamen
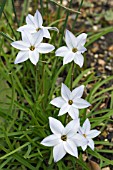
(32, 48)
(64, 137)
(74, 50)
(70, 102)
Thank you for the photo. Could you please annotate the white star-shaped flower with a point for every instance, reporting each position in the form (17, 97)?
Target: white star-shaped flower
(70, 101)
(30, 46)
(74, 49)
(88, 134)
(64, 139)
(34, 25)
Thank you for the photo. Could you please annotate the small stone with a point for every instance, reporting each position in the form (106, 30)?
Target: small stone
(101, 62)
(106, 168)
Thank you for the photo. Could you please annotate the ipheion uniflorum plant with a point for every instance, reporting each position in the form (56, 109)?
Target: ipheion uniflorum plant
(64, 139)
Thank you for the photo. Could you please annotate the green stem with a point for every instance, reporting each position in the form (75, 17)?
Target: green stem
(62, 33)
(36, 81)
(9, 25)
(15, 13)
(72, 76)
(77, 14)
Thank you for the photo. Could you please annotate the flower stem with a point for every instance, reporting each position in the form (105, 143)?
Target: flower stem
(72, 76)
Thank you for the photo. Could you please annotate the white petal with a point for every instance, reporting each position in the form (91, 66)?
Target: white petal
(93, 133)
(73, 112)
(79, 140)
(72, 128)
(51, 140)
(52, 28)
(77, 92)
(81, 131)
(71, 148)
(68, 58)
(64, 109)
(79, 59)
(58, 152)
(46, 33)
(81, 49)
(20, 45)
(81, 39)
(65, 92)
(62, 51)
(70, 39)
(30, 20)
(21, 57)
(91, 144)
(37, 38)
(58, 102)
(86, 126)
(28, 28)
(38, 19)
(45, 48)
(55, 126)
(80, 103)
(84, 147)
(34, 56)
(27, 38)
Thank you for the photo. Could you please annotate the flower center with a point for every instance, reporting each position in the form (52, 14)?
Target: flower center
(64, 137)
(37, 29)
(84, 135)
(70, 102)
(32, 48)
(74, 50)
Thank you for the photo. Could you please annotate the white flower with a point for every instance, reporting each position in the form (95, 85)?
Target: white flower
(34, 25)
(70, 101)
(88, 134)
(64, 140)
(74, 49)
(30, 46)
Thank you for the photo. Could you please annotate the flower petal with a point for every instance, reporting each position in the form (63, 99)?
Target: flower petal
(64, 109)
(79, 59)
(81, 39)
(27, 37)
(37, 38)
(34, 56)
(55, 126)
(72, 128)
(45, 48)
(58, 102)
(46, 33)
(51, 140)
(38, 19)
(68, 57)
(84, 147)
(52, 28)
(58, 152)
(71, 148)
(21, 57)
(77, 92)
(86, 126)
(91, 144)
(65, 92)
(79, 140)
(73, 112)
(81, 49)
(81, 131)
(62, 51)
(20, 45)
(70, 39)
(93, 133)
(80, 103)
(30, 20)
(28, 28)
